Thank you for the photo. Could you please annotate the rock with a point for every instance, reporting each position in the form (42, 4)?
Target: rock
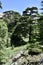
(22, 59)
(12, 64)
(18, 56)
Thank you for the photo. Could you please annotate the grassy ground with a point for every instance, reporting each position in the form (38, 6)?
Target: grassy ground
(9, 52)
(16, 50)
(12, 51)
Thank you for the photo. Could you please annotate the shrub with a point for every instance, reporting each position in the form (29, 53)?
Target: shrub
(35, 51)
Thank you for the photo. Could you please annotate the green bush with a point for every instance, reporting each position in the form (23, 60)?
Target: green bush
(3, 32)
(3, 38)
(34, 51)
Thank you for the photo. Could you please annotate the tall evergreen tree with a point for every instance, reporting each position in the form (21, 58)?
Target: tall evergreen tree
(42, 7)
(0, 5)
(41, 24)
(32, 13)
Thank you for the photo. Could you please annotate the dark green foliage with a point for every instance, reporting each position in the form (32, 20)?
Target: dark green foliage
(17, 30)
(0, 5)
(41, 30)
(41, 8)
(11, 18)
(20, 32)
(16, 40)
(31, 13)
(21, 29)
(35, 51)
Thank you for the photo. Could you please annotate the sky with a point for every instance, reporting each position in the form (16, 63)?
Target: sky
(19, 5)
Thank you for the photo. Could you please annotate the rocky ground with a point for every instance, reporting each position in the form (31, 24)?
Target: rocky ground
(23, 58)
